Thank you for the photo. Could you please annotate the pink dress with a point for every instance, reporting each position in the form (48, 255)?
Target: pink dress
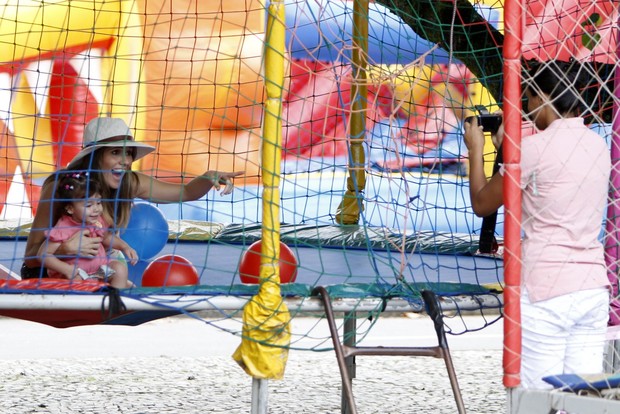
(64, 229)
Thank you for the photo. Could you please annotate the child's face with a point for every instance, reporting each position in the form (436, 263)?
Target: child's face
(86, 211)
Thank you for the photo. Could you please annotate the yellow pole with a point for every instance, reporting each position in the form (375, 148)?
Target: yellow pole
(272, 140)
(266, 331)
(349, 209)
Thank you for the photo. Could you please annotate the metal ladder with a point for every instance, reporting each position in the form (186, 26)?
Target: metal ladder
(346, 351)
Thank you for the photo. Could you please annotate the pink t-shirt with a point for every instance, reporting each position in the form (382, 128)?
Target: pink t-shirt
(564, 176)
(67, 227)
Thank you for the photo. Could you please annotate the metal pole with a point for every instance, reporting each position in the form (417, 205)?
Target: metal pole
(260, 395)
(349, 339)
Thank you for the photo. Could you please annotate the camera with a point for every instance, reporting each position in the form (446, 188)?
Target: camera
(490, 122)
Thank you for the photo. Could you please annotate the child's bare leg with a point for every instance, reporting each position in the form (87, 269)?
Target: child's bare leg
(120, 278)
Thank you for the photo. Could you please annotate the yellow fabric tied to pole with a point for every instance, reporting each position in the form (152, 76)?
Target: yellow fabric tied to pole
(266, 320)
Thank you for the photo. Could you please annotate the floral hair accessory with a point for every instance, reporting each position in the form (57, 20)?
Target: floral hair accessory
(78, 175)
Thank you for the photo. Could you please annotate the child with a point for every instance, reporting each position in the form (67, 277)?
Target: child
(78, 206)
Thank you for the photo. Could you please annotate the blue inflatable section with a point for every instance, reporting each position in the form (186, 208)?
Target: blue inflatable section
(321, 30)
(411, 202)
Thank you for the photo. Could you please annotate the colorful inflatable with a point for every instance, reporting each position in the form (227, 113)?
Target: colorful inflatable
(585, 31)
(187, 76)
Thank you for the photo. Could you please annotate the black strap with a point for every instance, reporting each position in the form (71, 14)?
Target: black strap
(115, 304)
(32, 272)
(488, 242)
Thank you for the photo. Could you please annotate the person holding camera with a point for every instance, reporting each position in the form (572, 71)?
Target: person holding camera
(565, 169)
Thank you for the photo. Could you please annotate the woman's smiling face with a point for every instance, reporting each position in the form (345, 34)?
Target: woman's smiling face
(115, 161)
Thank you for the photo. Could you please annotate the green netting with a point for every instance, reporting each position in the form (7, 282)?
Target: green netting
(382, 131)
(354, 236)
(352, 290)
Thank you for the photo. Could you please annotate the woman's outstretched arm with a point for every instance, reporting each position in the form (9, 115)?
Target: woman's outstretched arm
(159, 191)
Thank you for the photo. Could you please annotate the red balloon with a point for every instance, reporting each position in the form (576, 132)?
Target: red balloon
(249, 267)
(170, 270)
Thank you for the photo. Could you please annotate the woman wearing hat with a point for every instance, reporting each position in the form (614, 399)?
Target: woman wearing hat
(107, 154)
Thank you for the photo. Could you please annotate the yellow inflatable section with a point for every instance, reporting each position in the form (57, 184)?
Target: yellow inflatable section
(39, 42)
(185, 74)
(209, 107)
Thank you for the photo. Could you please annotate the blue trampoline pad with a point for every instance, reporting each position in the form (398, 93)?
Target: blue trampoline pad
(217, 264)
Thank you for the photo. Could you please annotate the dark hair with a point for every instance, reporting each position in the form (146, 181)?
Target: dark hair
(70, 187)
(116, 202)
(563, 82)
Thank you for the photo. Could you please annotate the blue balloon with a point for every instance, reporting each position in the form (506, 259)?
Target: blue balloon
(147, 230)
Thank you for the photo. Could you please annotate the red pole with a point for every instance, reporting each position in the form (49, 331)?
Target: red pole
(513, 23)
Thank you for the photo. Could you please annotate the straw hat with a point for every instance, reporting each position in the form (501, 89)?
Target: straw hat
(109, 132)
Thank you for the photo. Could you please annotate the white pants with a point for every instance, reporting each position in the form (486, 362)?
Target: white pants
(563, 335)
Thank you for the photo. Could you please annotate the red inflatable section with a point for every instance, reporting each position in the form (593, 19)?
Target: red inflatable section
(578, 29)
(58, 318)
(317, 106)
(9, 161)
(72, 106)
(53, 284)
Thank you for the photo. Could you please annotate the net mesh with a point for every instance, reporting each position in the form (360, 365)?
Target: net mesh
(189, 78)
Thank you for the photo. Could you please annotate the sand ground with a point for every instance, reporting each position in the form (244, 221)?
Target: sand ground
(182, 365)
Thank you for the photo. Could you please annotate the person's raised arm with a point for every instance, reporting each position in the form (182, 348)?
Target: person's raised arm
(164, 192)
(486, 196)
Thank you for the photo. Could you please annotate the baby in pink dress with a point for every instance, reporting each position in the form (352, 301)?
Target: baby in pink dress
(78, 209)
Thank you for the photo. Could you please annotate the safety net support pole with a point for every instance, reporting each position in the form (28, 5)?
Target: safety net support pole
(266, 320)
(350, 208)
(612, 224)
(513, 17)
